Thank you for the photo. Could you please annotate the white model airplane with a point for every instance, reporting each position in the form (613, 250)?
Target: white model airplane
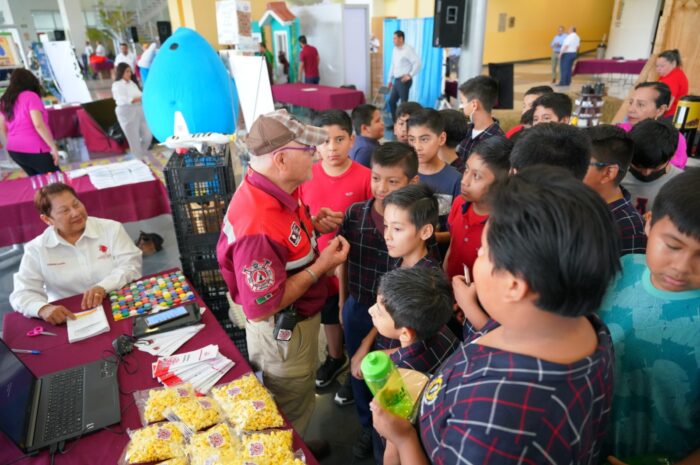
(183, 139)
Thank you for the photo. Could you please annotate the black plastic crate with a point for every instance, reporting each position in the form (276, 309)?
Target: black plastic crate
(202, 269)
(196, 175)
(237, 335)
(198, 221)
(219, 307)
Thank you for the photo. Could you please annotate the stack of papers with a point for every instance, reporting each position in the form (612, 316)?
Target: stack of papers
(202, 368)
(115, 174)
(87, 324)
(165, 344)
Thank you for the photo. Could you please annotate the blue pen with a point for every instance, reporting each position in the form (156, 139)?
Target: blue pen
(27, 351)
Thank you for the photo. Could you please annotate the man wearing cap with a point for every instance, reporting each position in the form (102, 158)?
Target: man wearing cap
(268, 256)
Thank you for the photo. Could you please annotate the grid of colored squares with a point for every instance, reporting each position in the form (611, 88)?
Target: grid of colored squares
(141, 297)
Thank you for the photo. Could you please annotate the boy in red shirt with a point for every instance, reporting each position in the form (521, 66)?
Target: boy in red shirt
(337, 183)
(489, 161)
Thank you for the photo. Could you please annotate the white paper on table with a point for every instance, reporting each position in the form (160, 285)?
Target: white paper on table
(166, 365)
(119, 174)
(309, 89)
(165, 344)
(87, 324)
(76, 173)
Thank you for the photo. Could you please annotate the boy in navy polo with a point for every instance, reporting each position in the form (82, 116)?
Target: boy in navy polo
(413, 307)
(394, 165)
(534, 383)
(426, 133)
(369, 129)
(610, 160)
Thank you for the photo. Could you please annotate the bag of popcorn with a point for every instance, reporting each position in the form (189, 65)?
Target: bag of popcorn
(216, 446)
(248, 405)
(160, 441)
(196, 413)
(273, 447)
(152, 403)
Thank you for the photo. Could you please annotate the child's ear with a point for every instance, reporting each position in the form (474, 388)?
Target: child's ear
(442, 138)
(415, 180)
(426, 232)
(407, 334)
(352, 139)
(565, 120)
(611, 172)
(515, 289)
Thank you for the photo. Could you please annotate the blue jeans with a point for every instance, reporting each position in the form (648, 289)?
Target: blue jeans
(565, 66)
(308, 80)
(398, 91)
(356, 325)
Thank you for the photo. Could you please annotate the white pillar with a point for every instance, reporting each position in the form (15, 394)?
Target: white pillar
(74, 23)
(470, 61)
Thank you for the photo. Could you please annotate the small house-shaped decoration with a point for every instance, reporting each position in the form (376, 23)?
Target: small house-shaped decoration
(285, 37)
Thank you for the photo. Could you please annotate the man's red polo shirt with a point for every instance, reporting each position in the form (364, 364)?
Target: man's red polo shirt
(267, 236)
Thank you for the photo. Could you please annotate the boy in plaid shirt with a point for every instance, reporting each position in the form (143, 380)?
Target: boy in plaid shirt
(533, 381)
(394, 165)
(413, 307)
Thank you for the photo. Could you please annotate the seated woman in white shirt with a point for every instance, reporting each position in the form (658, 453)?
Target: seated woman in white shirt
(76, 254)
(129, 111)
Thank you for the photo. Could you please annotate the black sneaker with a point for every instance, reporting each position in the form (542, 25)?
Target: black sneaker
(329, 370)
(344, 396)
(363, 446)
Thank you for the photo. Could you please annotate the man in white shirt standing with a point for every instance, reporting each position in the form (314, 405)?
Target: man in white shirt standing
(100, 50)
(125, 56)
(567, 55)
(405, 64)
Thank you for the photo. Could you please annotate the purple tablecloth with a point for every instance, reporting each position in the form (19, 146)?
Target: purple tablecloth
(322, 98)
(64, 122)
(608, 66)
(105, 447)
(132, 202)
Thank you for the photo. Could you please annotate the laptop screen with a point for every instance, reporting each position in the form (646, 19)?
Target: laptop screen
(16, 383)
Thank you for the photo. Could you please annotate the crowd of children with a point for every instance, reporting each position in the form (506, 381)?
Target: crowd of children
(581, 328)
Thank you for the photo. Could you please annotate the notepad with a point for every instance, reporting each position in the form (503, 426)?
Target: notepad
(87, 324)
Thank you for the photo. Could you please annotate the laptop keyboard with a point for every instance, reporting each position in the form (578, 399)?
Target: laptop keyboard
(65, 405)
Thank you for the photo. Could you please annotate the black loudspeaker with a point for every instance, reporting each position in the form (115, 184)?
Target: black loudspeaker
(503, 74)
(134, 33)
(448, 22)
(59, 35)
(165, 30)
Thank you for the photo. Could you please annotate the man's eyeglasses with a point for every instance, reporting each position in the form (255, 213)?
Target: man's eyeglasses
(310, 149)
(601, 164)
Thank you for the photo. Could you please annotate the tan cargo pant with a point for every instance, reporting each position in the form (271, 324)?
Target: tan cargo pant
(289, 368)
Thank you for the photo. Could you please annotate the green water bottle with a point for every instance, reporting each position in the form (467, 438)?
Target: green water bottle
(386, 384)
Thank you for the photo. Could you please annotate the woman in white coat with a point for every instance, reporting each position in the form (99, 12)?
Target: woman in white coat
(76, 254)
(130, 112)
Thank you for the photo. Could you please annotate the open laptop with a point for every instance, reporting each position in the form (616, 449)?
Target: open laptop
(41, 412)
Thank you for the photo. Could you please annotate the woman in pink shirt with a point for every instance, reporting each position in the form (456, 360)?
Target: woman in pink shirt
(24, 129)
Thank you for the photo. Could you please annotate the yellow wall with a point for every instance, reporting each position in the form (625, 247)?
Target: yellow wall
(199, 15)
(536, 22)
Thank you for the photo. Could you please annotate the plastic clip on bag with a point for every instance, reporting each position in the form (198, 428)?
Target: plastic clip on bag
(160, 441)
(195, 413)
(152, 403)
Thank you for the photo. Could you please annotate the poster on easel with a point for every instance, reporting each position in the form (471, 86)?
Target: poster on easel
(67, 72)
(252, 84)
(9, 57)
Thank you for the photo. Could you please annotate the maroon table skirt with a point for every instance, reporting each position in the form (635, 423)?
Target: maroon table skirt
(322, 98)
(105, 447)
(132, 202)
(608, 66)
(64, 122)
